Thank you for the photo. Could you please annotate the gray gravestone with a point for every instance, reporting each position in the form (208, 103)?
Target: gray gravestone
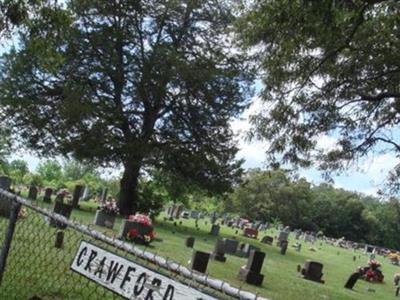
(103, 197)
(194, 214)
(219, 251)
(190, 242)
(251, 272)
(33, 191)
(199, 261)
(283, 245)
(282, 236)
(78, 191)
(215, 230)
(5, 204)
(104, 219)
(213, 217)
(231, 246)
(47, 195)
(61, 209)
(267, 240)
(312, 270)
(5, 183)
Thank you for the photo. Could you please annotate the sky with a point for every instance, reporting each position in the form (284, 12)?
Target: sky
(366, 177)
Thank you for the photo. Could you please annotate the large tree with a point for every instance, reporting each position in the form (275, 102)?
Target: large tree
(328, 67)
(133, 83)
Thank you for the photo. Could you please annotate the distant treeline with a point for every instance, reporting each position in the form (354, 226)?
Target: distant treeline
(275, 195)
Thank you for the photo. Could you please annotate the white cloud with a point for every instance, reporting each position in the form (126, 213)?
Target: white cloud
(326, 142)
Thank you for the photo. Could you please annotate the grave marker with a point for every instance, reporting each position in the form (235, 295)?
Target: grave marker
(190, 242)
(47, 195)
(199, 261)
(267, 240)
(231, 246)
(215, 230)
(219, 251)
(77, 195)
(5, 204)
(312, 270)
(251, 272)
(33, 191)
(352, 280)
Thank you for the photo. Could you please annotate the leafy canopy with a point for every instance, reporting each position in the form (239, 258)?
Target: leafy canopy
(328, 67)
(135, 83)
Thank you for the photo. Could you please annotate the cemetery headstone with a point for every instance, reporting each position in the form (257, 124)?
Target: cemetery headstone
(141, 228)
(47, 195)
(312, 270)
(219, 251)
(5, 204)
(215, 230)
(33, 191)
(194, 214)
(251, 272)
(78, 191)
(250, 232)
(267, 240)
(231, 246)
(178, 210)
(213, 217)
(245, 249)
(104, 219)
(59, 239)
(282, 236)
(5, 183)
(63, 209)
(103, 196)
(352, 280)
(283, 245)
(199, 261)
(190, 242)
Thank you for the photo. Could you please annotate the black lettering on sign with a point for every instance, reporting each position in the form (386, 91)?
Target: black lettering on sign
(79, 260)
(113, 271)
(92, 256)
(137, 290)
(100, 267)
(127, 278)
(169, 293)
(156, 283)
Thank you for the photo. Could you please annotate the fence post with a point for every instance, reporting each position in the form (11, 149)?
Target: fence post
(15, 207)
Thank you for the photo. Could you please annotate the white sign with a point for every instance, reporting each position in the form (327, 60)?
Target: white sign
(129, 279)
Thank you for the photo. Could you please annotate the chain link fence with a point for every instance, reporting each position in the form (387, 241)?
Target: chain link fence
(40, 255)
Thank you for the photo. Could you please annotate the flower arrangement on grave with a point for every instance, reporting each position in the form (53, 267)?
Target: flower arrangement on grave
(23, 213)
(109, 207)
(147, 235)
(372, 272)
(394, 258)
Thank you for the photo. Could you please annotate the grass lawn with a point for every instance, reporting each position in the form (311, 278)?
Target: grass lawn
(281, 278)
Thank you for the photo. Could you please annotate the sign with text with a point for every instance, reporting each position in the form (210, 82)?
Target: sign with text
(129, 279)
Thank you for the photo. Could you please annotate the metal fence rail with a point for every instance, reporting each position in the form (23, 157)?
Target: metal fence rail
(44, 269)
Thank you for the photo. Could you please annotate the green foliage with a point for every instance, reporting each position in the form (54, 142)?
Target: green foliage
(17, 169)
(275, 196)
(50, 171)
(329, 67)
(33, 179)
(139, 84)
(267, 195)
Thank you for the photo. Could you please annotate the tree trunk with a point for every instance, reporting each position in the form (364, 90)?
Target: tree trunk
(129, 198)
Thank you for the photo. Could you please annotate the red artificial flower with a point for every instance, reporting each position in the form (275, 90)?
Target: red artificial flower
(132, 233)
